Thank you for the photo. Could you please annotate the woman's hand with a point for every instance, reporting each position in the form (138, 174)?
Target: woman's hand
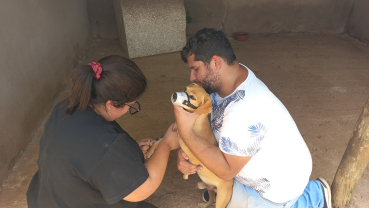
(171, 138)
(143, 143)
(184, 166)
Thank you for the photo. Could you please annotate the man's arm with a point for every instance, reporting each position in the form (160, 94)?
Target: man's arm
(223, 165)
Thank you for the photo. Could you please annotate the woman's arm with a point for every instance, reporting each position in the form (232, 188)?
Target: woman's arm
(156, 167)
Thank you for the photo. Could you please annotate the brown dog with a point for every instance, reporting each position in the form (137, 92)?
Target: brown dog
(199, 101)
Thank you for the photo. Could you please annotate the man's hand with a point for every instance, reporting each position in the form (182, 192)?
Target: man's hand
(184, 166)
(143, 143)
(185, 120)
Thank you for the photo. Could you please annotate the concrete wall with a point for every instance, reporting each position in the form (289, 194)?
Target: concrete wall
(40, 42)
(268, 16)
(151, 27)
(358, 21)
(102, 17)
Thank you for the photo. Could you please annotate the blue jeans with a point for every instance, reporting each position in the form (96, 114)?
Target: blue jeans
(245, 197)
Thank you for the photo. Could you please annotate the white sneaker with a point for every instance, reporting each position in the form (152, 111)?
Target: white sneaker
(205, 196)
(326, 193)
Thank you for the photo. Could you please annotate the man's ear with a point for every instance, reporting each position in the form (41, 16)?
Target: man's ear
(205, 108)
(217, 62)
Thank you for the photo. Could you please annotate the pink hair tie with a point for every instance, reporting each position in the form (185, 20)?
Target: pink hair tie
(97, 68)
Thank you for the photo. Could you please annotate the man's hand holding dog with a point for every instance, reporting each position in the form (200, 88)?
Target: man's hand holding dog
(185, 120)
(184, 166)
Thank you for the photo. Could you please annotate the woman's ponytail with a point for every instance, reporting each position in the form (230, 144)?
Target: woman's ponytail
(82, 79)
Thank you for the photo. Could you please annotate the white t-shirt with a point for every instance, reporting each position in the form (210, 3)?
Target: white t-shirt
(252, 121)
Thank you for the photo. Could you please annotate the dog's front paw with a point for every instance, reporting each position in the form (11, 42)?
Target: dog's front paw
(152, 149)
(149, 153)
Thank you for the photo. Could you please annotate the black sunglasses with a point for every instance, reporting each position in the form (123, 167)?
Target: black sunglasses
(134, 108)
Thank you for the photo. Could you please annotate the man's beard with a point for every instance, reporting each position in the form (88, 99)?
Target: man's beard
(211, 83)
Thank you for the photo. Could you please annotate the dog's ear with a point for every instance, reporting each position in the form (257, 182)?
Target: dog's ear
(205, 108)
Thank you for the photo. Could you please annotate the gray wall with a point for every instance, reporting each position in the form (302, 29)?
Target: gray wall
(102, 17)
(40, 42)
(358, 21)
(268, 16)
(253, 16)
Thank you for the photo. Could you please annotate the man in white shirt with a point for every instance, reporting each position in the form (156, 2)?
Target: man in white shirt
(259, 143)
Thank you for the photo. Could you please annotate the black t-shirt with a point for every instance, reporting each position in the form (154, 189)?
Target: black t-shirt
(85, 161)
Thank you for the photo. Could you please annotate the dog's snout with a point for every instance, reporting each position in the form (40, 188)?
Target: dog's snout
(174, 97)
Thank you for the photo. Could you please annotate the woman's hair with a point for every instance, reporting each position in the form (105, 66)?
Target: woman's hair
(120, 81)
(205, 44)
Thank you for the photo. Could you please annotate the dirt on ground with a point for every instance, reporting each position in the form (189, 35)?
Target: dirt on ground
(323, 81)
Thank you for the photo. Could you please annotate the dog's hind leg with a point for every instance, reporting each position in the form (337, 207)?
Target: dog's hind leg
(224, 194)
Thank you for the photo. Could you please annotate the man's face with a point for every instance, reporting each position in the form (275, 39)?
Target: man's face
(205, 76)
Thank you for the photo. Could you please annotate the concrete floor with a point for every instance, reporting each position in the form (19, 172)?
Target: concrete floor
(322, 80)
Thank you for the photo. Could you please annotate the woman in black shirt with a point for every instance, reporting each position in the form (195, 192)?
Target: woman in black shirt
(86, 159)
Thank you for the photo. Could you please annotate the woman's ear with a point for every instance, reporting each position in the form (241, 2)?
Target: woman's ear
(109, 105)
(205, 108)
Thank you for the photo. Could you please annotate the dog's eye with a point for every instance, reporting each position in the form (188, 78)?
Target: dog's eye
(192, 97)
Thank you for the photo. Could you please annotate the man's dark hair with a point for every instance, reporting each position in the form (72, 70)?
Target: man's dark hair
(205, 44)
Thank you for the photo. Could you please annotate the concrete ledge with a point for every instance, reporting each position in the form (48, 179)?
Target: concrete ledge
(150, 27)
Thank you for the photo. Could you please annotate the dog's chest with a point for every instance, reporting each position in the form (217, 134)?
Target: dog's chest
(202, 128)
